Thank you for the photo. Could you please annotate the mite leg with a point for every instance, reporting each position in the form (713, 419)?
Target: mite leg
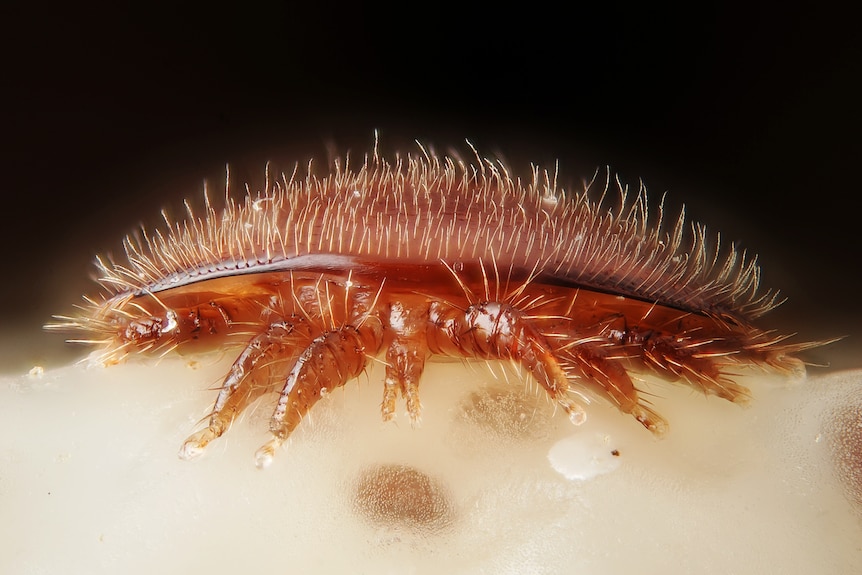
(330, 360)
(696, 362)
(591, 362)
(494, 330)
(267, 356)
(405, 360)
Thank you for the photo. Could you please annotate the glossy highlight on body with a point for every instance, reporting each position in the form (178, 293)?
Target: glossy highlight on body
(424, 256)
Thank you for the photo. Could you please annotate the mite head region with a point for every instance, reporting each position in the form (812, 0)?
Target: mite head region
(423, 256)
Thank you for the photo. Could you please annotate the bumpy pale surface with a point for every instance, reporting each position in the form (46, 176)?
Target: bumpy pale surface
(91, 483)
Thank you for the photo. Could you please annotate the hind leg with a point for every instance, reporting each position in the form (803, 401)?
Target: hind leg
(590, 361)
(496, 330)
(696, 362)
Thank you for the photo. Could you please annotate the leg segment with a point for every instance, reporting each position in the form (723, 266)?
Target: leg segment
(267, 356)
(589, 360)
(330, 360)
(405, 359)
(494, 330)
(695, 362)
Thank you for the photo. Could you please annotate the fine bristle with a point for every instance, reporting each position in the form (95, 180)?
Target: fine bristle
(428, 208)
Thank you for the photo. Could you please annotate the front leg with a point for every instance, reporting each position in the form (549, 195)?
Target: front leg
(267, 356)
(330, 360)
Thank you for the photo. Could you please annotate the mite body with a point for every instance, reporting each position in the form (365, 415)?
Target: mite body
(433, 256)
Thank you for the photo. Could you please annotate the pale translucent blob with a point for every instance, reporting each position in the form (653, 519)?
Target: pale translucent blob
(584, 455)
(90, 481)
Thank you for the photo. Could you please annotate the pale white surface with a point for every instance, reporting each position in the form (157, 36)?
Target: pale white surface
(90, 481)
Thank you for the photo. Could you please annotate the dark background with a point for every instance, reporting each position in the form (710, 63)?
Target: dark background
(749, 116)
